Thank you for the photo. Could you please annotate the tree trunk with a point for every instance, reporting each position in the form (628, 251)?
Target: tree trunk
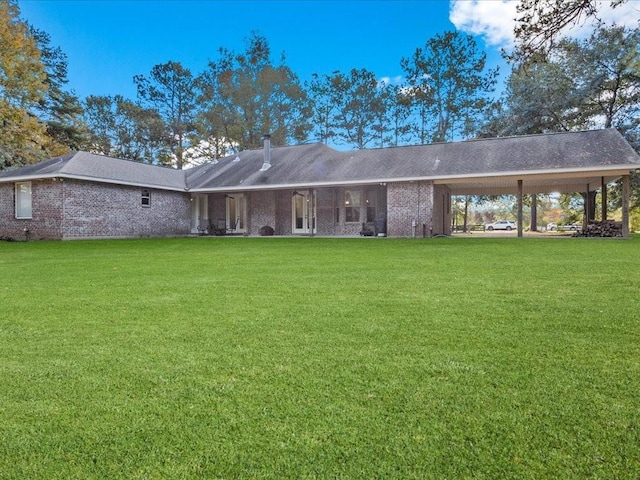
(534, 212)
(466, 211)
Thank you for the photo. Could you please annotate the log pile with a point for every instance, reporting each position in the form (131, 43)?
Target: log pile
(606, 228)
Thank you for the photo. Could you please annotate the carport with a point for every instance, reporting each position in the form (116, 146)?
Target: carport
(556, 168)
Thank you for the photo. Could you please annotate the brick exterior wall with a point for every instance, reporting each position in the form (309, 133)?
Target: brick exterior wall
(409, 202)
(325, 199)
(283, 213)
(68, 209)
(78, 209)
(261, 211)
(94, 210)
(46, 202)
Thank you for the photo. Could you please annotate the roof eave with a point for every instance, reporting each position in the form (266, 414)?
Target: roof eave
(27, 178)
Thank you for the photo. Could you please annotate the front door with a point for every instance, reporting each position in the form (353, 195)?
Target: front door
(303, 212)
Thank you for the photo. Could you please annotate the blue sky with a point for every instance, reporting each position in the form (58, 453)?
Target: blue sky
(107, 42)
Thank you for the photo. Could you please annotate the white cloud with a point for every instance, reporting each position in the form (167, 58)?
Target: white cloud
(397, 80)
(491, 20)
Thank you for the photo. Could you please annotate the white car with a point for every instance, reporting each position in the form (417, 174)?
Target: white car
(501, 225)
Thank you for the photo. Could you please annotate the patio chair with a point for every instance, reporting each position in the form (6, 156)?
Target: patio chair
(203, 227)
(232, 227)
(220, 228)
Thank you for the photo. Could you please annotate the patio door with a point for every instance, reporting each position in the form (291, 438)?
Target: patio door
(303, 210)
(199, 213)
(236, 212)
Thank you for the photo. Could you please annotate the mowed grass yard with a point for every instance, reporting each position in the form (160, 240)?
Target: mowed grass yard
(311, 358)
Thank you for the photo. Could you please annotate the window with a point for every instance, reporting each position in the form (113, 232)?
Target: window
(23, 200)
(352, 205)
(146, 197)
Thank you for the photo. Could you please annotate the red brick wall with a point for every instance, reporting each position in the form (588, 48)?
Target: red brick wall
(93, 210)
(46, 203)
(67, 209)
(409, 202)
(261, 211)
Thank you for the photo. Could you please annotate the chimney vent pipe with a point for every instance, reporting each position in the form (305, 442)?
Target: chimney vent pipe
(267, 153)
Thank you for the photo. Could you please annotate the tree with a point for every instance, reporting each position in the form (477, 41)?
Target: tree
(244, 96)
(540, 22)
(358, 107)
(581, 85)
(606, 73)
(171, 91)
(451, 85)
(399, 114)
(22, 86)
(59, 109)
(538, 98)
(322, 107)
(124, 129)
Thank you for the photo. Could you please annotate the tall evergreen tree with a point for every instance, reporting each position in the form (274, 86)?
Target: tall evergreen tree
(61, 110)
(593, 83)
(124, 129)
(244, 96)
(170, 89)
(358, 107)
(452, 85)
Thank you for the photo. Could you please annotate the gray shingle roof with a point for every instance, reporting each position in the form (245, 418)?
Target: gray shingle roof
(100, 168)
(315, 165)
(320, 165)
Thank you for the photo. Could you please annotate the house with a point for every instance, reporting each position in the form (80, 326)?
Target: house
(305, 189)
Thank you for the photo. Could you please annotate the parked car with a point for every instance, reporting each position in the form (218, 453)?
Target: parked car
(570, 226)
(573, 227)
(501, 225)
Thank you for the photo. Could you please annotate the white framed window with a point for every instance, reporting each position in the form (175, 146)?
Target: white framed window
(23, 200)
(146, 197)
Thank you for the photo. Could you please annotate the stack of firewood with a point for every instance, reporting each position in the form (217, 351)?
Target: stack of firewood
(606, 228)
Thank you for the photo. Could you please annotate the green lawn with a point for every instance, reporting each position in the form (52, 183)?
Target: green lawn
(314, 358)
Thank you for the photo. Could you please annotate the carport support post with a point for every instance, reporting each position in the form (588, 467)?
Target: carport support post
(625, 205)
(520, 208)
(603, 195)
